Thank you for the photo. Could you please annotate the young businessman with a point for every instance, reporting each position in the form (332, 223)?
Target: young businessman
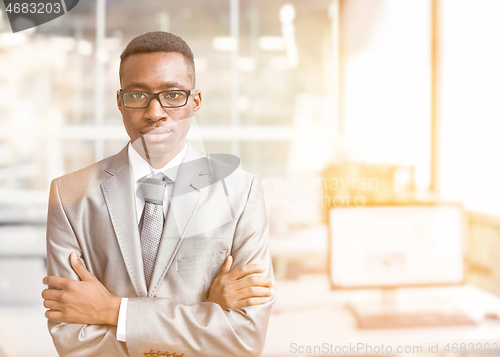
(158, 227)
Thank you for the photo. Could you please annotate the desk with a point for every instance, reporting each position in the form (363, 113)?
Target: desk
(308, 313)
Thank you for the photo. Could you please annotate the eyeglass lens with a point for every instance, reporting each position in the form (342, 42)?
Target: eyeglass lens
(168, 99)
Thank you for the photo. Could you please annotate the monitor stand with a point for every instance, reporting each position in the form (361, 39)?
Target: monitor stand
(395, 310)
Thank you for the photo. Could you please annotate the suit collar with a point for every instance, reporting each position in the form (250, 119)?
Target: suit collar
(118, 191)
(117, 162)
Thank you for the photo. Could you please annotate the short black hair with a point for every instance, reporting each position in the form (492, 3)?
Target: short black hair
(159, 41)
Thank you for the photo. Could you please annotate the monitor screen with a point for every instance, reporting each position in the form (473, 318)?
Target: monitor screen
(385, 246)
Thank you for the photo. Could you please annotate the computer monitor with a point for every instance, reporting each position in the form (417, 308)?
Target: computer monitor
(396, 246)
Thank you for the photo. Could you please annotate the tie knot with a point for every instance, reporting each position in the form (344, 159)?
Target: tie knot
(152, 189)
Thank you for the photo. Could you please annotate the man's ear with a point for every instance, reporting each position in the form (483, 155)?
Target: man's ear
(119, 102)
(196, 101)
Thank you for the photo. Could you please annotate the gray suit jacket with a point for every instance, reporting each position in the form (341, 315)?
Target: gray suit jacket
(92, 211)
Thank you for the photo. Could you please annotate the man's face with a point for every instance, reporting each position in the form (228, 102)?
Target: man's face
(164, 129)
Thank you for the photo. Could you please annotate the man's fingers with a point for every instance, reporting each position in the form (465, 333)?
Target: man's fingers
(251, 302)
(52, 305)
(254, 291)
(254, 280)
(244, 270)
(56, 282)
(79, 268)
(54, 315)
(227, 265)
(51, 294)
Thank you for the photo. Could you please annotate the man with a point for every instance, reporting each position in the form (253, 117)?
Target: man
(158, 227)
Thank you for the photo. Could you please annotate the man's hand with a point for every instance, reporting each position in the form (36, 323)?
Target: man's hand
(237, 288)
(86, 301)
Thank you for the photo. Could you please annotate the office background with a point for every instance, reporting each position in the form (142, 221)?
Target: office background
(332, 102)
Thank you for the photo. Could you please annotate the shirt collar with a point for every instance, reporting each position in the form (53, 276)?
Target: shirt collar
(141, 167)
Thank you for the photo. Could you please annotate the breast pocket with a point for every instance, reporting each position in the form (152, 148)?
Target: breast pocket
(204, 261)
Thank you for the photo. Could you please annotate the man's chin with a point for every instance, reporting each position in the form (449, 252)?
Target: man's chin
(157, 138)
(154, 147)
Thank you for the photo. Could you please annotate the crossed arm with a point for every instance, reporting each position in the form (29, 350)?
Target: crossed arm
(89, 302)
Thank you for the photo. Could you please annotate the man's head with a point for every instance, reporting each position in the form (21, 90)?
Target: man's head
(157, 62)
(159, 41)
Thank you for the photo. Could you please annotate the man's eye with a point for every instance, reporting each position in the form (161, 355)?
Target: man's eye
(136, 95)
(172, 95)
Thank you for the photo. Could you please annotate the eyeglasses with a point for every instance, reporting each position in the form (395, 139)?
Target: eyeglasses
(168, 99)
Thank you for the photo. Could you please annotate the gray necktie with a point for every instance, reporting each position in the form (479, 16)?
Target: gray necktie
(152, 190)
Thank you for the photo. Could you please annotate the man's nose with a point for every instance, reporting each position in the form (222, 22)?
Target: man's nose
(155, 111)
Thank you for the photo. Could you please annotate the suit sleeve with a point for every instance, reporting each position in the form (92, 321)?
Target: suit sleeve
(205, 329)
(73, 340)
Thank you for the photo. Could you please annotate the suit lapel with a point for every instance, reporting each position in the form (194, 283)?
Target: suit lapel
(188, 189)
(119, 196)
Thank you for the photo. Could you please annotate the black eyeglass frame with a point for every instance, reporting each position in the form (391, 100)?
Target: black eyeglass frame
(157, 96)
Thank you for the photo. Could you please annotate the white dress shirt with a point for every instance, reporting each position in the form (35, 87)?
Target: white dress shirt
(138, 169)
